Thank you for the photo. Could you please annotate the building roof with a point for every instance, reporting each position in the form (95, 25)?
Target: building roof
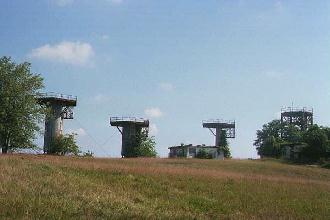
(190, 145)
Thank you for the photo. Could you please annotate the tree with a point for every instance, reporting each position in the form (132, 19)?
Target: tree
(65, 144)
(269, 139)
(19, 111)
(326, 130)
(144, 146)
(317, 142)
(291, 134)
(272, 128)
(272, 135)
(224, 147)
(271, 147)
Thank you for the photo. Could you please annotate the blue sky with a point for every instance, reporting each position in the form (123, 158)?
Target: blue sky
(174, 62)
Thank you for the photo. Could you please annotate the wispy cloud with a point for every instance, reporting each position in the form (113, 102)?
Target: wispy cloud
(75, 53)
(153, 112)
(153, 129)
(165, 86)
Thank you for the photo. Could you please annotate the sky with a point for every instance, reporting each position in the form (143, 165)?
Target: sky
(175, 62)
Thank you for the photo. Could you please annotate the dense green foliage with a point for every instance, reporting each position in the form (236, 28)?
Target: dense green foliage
(65, 144)
(19, 111)
(144, 146)
(268, 139)
(203, 154)
(224, 146)
(317, 141)
(274, 135)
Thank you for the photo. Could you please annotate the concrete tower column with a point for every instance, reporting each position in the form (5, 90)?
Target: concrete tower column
(217, 136)
(125, 138)
(53, 126)
(130, 131)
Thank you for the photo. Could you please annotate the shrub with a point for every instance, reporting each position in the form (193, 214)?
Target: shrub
(64, 144)
(203, 154)
(144, 146)
(226, 151)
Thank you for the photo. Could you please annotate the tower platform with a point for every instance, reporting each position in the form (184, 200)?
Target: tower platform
(61, 99)
(301, 117)
(122, 121)
(218, 123)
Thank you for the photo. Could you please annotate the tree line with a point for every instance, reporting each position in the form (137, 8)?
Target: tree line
(275, 136)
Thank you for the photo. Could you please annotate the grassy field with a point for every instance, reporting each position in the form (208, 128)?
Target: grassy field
(50, 187)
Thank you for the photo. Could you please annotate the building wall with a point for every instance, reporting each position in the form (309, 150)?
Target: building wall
(189, 151)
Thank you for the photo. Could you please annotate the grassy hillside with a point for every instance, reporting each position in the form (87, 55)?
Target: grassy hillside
(61, 187)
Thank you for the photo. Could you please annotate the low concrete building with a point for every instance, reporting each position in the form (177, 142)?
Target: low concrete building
(190, 151)
(292, 151)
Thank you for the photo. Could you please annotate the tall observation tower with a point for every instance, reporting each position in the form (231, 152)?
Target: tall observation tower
(60, 107)
(301, 117)
(130, 128)
(217, 125)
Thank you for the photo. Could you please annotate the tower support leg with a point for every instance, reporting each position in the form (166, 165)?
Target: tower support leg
(53, 127)
(217, 136)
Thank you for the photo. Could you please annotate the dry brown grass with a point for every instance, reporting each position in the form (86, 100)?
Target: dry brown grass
(62, 187)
